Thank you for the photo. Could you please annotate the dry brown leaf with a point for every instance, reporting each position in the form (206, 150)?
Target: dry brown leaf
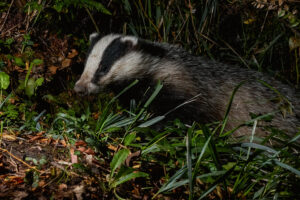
(18, 69)
(74, 158)
(42, 183)
(72, 53)
(63, 142)
(66, 63)
(52, 69)
(89, 151)
(35, 138)
(82, 149)
(9, 137)
(80, 143)
(136, 166)
(62, 186)
(280, 2)
(111, 147)
(79, 190)
(45, 141)
(294, 43)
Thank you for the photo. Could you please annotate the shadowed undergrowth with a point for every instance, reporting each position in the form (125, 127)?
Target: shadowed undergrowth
(95, 148)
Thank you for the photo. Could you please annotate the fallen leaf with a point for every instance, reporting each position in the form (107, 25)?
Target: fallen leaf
(42, 183)
(74, 158)
(72, 53)
(111, 147)
(45, 140)
(66, 63)
(82, 149)
(294, 43)
(20, 195)
(63, 142)
(89, 159)
(35, 138)
(80, 143)
(79, 190)
(89, 151)
(52, 69)
(9, 137)
(62, 186)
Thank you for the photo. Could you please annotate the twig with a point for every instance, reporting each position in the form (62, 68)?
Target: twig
(3, 33)
(263, 25)
(93, 20)
(18, 159)
(236, 53)
(151, 22)
(193, 24)
(6, 15)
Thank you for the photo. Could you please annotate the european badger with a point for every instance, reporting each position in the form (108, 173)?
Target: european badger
(114, 61)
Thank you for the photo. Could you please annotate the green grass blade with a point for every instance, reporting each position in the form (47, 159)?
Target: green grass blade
(207, 133)
(152, 121)
(118, 159)
(128, 177)
(5, 100)
(172, 182)
(229, 106)
(189, 159)
(285, 166)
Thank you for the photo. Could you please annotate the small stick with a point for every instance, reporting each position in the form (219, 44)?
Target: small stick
(18, 159)
(6, 15)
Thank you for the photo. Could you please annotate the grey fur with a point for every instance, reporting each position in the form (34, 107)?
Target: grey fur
(185, 76)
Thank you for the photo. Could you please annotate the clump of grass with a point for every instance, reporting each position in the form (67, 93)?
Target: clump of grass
(201, 159)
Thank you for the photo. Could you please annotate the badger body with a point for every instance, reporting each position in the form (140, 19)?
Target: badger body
(114, 61)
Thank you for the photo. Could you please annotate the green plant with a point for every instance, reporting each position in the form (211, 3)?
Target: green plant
(6, 44)
(29, 85)
(125, 173)
(4, 83)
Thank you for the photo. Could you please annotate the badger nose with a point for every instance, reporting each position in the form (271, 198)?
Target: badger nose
(80, 89)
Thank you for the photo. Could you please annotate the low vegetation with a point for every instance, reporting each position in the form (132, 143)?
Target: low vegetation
(54, 144)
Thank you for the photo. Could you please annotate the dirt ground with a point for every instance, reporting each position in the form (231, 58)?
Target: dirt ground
(37, 167)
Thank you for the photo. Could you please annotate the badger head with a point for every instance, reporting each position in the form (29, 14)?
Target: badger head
(112, 58)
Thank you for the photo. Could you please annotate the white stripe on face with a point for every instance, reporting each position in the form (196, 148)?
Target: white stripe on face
(93, 62)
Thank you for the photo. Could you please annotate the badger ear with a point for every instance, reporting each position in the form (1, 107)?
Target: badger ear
(93, 36)
(130, 42)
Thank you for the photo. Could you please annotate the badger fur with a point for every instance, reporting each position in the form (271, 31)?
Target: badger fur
(114, 61)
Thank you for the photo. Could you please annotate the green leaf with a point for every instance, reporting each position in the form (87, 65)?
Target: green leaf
(96, 5)
(9, 41)
(151, 121)
(154, 94)
(42, 161)
(281, 13)
(36, 177)
(37, 62)
(29, 89)
(118, 159)
(128, 177)
(4, 80)
(19, 61)
(39, 81)
(285, 166)
(129, 138)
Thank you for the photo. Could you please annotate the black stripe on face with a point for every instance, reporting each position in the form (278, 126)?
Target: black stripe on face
(117, 49)
(113, 52)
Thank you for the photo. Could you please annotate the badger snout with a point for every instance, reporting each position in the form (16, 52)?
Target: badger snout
(83, 88)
